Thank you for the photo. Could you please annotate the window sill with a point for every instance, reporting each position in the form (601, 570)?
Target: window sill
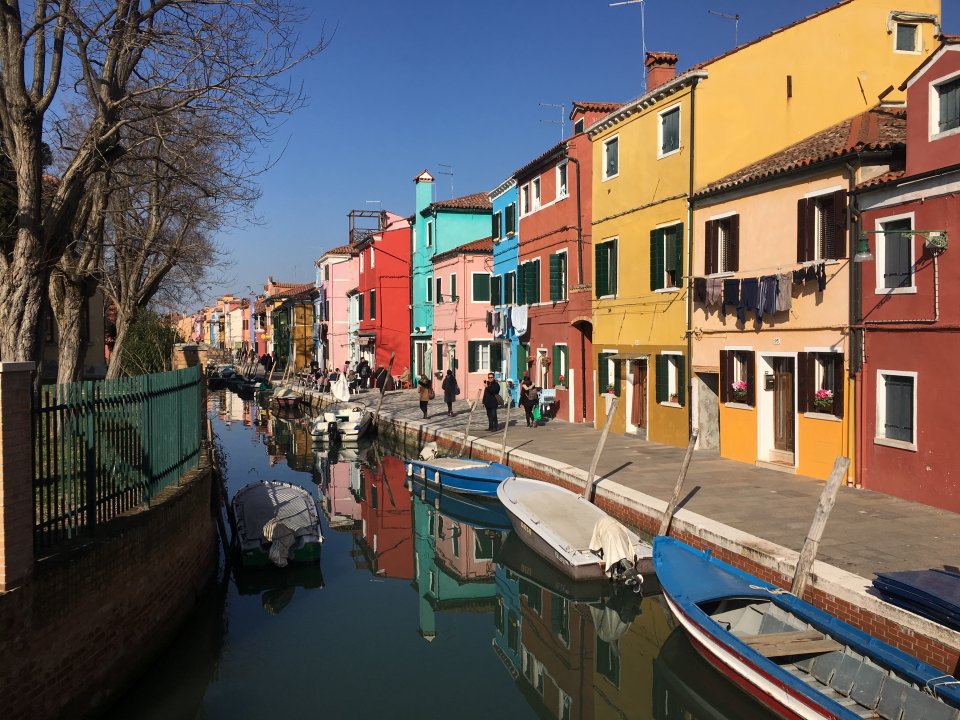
(669, 290)
(738, 406)
(671, 404)
(899, 444)
(830, 417)
(725, 274)
(944, 134)
(610, 177)
(607, 297)
(661, 156)
(896, 291)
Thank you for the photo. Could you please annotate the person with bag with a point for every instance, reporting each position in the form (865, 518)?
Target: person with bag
(425, 393)
(450, 391)
(491, 401)
(529, 399)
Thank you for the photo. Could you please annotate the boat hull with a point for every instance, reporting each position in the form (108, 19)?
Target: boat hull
(592, 571)
(477, 512)
(308, 554)
(482, 482)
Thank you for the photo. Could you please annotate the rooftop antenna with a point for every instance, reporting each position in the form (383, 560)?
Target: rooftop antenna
(736, 25)
(448, 171)
(555, 122)
(643, 32)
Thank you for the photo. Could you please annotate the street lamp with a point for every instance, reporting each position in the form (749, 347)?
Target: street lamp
(933, 240)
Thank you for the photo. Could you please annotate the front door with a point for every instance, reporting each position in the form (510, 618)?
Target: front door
(783, 407)
(638, 414)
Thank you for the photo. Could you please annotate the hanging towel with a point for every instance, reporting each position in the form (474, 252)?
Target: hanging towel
(520, 319)
(731, 295)
(821, 276)
(768, 295)
(784, 292)
(714, 291)
(749, 299)
(700, 290)
(799, 277)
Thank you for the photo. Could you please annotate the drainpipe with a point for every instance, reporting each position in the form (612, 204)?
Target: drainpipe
(583, 341)
(689, 333)
(855, 372)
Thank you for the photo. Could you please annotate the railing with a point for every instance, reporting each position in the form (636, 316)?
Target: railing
(104, 447)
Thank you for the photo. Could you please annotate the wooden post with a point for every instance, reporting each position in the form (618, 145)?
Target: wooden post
(672, 505)
(588, 488)
(466, 433)
(506, 424)
(810, 546)
(383, 388)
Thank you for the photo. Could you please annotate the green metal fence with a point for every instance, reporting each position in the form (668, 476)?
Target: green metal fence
(104, 447)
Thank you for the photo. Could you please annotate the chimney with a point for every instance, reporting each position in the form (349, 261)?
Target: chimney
(424, 195)
(661, 68)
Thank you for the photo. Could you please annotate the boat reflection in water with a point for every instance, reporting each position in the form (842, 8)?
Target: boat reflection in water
(276, 586)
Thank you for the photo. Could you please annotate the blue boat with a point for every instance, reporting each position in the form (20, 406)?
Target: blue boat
(475, 512)
(460, 475)
(796, 659)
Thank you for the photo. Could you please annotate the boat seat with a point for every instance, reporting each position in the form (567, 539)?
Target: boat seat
(846, 674)
(770, 624)
(789, 643)
(826, 665)
(892, 699)
(868, 685)
(806, 664)
(924, 707)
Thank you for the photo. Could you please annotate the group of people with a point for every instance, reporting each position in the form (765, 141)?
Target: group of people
(359, 376)
(529, 397)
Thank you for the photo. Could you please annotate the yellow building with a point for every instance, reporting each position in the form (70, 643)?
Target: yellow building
(690, 130)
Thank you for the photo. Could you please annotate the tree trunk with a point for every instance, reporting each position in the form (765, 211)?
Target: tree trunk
(115, 368)
(67, 299)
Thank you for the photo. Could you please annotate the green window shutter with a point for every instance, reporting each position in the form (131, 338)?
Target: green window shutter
(508, 289)
(555, 269)
(662, 379)
(600, 253)
(681, 379)
(529, 275)
(373, 304)
(481, 287)
(472, 356)
(536, 281)
(612, 282)
(676, 253)
(522, 354)
(495, 289)
(555, 365)
(602, 379)
(496, 356)
(495, 223)
(521, 284)
(617, 373)
(453, 288)
(360, 306)
(656, 259)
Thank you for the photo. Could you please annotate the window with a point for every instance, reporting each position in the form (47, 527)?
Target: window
(360, 306)
(373, 261)
(822, 227)
(439, 356)
(453, 287)
(484, 356)
(669, 131)
(895, 255)
(361, 262)
(439, 293)
(671, 383)
(525, 199)
(666, 257)
(560, 618)
(562, 180)
(510, 217)
(906, 37)
(509, 288)
(948, 99)
(496, 226)
(558, 366)
(528, 283)
(608, 661)
(429, 233)
(558, 276)
(495, 283)
(481, 287)
(578, 127)
(483, 543)
(611, 158)
(326, 272)
(536, 193)
(608, 373)
(605, 268)
(429, 289)
(896, 409)
(736, 367)
(722, 246)
(373, 304)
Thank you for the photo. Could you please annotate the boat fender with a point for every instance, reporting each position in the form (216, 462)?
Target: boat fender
(409, 470)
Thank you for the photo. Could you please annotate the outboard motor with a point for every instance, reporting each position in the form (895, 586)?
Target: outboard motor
(333, 432)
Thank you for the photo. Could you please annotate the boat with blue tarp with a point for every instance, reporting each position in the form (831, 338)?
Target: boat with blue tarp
(460, 475)
(797, 659)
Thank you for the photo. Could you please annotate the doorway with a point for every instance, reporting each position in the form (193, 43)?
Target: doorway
(784, 410)
(637, 397)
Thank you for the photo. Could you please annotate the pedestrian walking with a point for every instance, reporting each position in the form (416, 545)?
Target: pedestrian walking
(529, 397)
(425, 393)
(450, 391)
(491, 399)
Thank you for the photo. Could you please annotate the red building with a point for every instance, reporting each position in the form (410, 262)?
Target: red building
(553, 277)
(908, 314)
(386, 520)
(384, 294)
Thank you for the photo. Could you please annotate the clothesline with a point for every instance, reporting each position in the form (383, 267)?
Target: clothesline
(763, 270)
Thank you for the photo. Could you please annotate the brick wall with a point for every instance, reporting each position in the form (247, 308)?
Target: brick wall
(93, 617)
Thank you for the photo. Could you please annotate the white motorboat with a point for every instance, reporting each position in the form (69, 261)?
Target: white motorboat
(341, 424)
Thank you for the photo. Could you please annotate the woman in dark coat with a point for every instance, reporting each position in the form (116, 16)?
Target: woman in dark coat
(424, 388)
(528, 400)
(450, 391)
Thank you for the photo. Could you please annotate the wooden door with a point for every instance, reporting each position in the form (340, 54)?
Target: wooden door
(639, 413)
(783, 404)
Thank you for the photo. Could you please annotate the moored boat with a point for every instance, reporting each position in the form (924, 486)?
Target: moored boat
(794, 657)
(460, 475)
(467, 509)
(570, 532)
(341, 424)
(277, 523)
(285, 398)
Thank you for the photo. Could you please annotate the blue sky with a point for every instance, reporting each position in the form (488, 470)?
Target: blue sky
(407, 85)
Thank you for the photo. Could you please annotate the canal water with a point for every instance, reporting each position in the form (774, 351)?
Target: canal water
(420, 608)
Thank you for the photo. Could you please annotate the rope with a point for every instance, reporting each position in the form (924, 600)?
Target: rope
(772, 591)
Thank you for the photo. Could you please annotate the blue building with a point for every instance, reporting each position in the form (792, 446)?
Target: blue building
(503, 283)
(438, 226)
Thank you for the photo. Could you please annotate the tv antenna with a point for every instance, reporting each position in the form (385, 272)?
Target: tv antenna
(448, 171)
(736, 24)
(555, 122)
(643, 32)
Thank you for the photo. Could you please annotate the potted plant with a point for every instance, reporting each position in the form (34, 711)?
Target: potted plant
(823, 400)
(740, 389)
(561, 381)
(610, 390)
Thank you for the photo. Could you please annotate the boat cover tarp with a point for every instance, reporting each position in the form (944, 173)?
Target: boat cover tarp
(612, 539)
(260, 507)
(934, 593)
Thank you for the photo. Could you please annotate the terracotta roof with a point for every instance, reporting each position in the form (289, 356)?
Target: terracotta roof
(295, 290)
(875, 130)
(603, 107)
(348, 250)
(476, 247)
(540, 158)
(885, 179)
(476, 201)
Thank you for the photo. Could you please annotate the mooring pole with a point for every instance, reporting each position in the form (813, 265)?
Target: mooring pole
(588, 488)
(810, 546)
(672, 505)
(466, 432)
(383, 388)
(506, 425)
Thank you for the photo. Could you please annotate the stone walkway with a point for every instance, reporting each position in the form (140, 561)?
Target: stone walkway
(867, 532)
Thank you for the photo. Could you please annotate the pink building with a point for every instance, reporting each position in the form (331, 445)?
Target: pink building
(339, 272)
(461, 305)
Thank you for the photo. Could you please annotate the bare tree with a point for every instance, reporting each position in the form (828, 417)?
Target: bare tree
(209, 58)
